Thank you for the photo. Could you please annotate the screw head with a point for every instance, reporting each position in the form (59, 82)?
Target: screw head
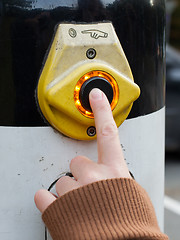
(91, 131)
(91, 53)
(72, 32)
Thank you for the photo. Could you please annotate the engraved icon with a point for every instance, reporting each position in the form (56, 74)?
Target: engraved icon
(72, 32)
(95, 33)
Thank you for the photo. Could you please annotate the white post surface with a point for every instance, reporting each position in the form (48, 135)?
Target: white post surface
(34, 157)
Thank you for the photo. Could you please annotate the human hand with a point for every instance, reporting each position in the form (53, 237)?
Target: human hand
(111, 163)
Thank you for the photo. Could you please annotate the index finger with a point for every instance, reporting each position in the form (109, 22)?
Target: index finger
(109, 148)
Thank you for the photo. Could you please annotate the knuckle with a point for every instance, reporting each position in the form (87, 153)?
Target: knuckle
(91, 176)
(103, 108)
(109, 129)
(60, 183)
(61, 180)
(75, 160)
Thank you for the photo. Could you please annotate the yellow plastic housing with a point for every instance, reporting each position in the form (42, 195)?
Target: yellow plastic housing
(65, 67)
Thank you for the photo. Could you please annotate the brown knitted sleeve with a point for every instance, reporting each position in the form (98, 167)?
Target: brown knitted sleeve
(108, 209)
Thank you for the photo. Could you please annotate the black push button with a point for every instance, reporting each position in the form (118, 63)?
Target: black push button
(94, 82)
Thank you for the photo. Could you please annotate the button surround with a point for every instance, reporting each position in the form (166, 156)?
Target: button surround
(94, 82)
(92, 77)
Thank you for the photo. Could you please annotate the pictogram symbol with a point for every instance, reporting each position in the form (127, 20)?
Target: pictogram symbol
(94, 33)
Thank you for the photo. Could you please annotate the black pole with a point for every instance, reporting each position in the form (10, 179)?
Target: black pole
(26, 30)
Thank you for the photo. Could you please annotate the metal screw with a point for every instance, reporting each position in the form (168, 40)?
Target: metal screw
(72, 32)
(91, 53)
(91, 131)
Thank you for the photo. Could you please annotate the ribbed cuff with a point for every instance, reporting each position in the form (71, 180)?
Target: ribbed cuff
(108, 209)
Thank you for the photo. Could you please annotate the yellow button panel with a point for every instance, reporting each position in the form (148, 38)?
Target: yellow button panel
(81, 54)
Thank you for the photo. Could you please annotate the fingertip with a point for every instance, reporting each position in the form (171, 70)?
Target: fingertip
(43, 199)
(96, 94)
(98, 101)
(37, 197)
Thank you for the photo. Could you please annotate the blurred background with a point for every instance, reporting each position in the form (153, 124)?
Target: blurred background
(172, 166)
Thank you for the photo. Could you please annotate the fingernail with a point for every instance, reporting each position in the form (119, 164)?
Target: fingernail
(96, 94)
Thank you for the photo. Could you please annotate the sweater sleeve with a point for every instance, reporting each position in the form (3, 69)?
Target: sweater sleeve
(108, 209)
